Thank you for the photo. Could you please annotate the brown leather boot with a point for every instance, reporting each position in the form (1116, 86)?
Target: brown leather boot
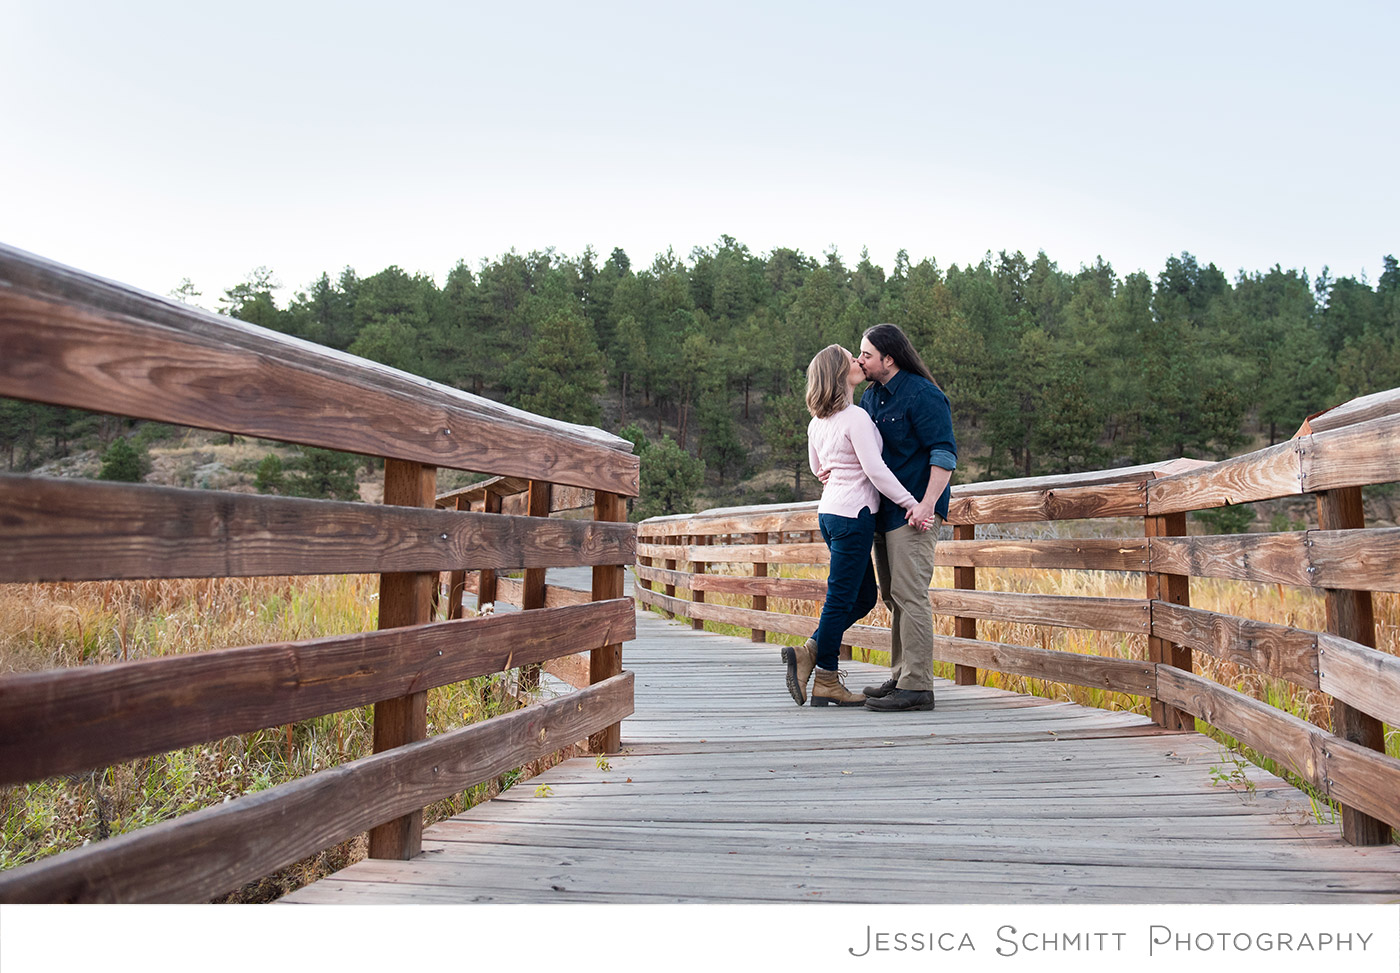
(800, 663)
(830, 690)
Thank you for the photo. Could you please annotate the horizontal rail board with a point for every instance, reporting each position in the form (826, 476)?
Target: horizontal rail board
(1360, 676)
(1265, 474)
(198, 856)
(514, 494)
(1348, 773)
(115, 349)
(512, 592)
(1090, 554)
(1066, 503)
(743, 617)
(1102, 614)
(66, 530)
(1362, 560)
(770, 522)
(800, 589)
(1101, 672)
(1355, 455)
(1362, 409)
(69, 720)
(1278, 650)
(740, 553)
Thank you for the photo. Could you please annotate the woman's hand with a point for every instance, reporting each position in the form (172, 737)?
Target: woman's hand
(921, 514)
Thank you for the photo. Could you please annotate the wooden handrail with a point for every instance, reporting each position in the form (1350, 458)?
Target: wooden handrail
(1355, 445)
(76, 340)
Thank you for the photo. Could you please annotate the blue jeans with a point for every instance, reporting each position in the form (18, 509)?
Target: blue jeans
(851, 590)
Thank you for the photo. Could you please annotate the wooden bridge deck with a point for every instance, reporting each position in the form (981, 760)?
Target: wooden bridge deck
(728, 792)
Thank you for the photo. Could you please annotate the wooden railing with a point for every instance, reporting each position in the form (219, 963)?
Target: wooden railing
(74, 340)
(1333, 456)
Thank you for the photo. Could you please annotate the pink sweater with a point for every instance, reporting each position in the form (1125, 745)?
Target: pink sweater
(848, 444)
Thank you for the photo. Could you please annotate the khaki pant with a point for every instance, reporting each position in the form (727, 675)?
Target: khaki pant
(904, 568)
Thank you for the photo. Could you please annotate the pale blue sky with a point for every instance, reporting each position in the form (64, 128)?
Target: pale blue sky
(150, 141)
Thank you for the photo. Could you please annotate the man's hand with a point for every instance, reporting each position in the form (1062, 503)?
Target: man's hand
(823, 474)
(921, 514)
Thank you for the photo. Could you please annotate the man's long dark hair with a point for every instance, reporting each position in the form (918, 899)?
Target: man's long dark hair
(888, 339)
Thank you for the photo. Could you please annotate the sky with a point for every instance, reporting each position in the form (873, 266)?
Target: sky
(149, 142)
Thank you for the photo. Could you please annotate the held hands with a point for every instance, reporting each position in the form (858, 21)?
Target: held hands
(921, 514)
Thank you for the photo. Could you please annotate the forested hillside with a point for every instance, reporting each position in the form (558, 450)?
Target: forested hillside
(1048, 370)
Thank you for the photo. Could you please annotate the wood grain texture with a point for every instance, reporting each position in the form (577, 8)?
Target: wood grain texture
(1356, 559)
(1065, 503)
(68, 530)
(608, 586)
(1349, 773)
(1363, 409)
(209, 852)
(66, 721)
(740, 553)
(1102, 614)
(1350, 614)
(405, 599)
(1352, 456)
(1119, 675)
(74, 339)
(1360, 676)
(1278, 650)
(1265, 474)
(1088, 554)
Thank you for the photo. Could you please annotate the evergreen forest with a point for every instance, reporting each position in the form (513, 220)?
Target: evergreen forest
(700, 359)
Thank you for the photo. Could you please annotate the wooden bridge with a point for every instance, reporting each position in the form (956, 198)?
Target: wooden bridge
(708, 784)
(727, 792)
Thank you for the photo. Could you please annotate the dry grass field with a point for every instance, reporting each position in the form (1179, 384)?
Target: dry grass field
(44, 626)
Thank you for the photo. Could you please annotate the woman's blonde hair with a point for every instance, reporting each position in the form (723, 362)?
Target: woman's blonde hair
(826, 381)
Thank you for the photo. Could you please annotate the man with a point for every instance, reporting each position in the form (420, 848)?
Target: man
(914, 419)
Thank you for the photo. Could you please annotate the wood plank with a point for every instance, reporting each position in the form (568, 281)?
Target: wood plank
(511, 591)
(66, 721)
(1119, 675)
(111, 348)
(1359, 675)
(1294, 743)
(69, 530)
(1354, 559)
(1363, 409)
(1101, 614)
(209, 852)
(1265, 474)
(729, 615)
(1065, 503)
(739, 553)
(1352, 456)
(1352, 774)
(1278, 650)
(1086, 554)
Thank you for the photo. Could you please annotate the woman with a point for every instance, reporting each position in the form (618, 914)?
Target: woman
(841, 439)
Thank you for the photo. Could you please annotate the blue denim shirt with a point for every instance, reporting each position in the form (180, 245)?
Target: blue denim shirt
(916, 425)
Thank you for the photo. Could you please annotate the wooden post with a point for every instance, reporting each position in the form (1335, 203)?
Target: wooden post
(670, 565)
(760, 602)
(405, 598)
(1175, 589)
(486, 581)
(532, 589)
(964, 579)
(698, 567)
(1350, 615)
(457, 579)
(608, 582)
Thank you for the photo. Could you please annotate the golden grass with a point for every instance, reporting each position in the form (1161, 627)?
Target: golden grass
(45, 626)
